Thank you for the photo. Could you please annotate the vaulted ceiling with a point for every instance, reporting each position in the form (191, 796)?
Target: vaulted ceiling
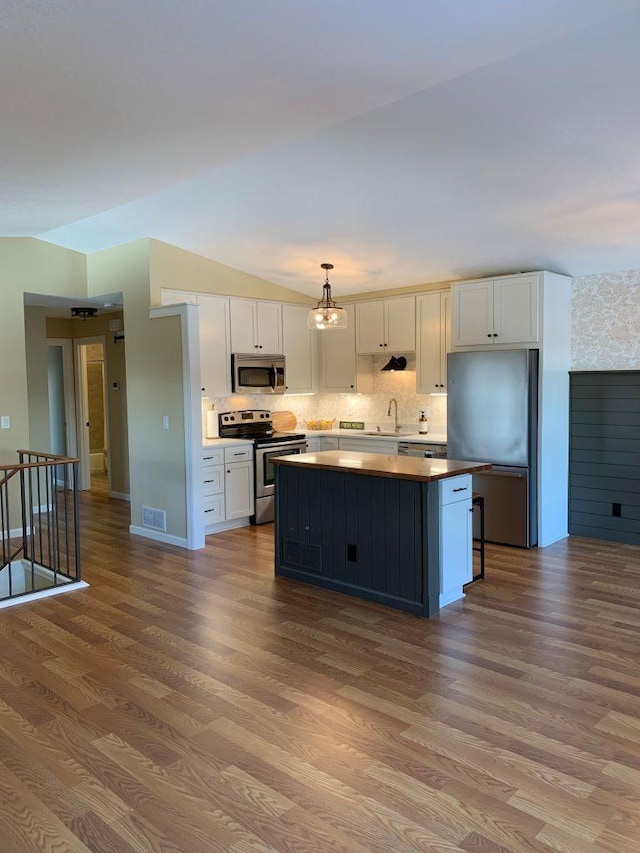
(405, 141)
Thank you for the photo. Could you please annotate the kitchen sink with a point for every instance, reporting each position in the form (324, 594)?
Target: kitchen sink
(389, 433)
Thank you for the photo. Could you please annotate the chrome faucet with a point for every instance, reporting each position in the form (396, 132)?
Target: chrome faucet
(395, 403)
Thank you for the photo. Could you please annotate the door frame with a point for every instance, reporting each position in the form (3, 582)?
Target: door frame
(82, 408)
(69, 382)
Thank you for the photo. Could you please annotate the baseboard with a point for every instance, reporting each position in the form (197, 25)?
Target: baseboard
(120, 496)
(158, 536)
(221, 526)
(43, 593)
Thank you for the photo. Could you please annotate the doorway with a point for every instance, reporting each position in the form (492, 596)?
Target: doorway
(93, 433)
(61, 390)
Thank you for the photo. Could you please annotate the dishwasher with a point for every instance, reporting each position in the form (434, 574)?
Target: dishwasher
(422, 449)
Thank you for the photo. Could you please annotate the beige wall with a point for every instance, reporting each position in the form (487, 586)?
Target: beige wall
(154, 385)
(179, 270)
(27, 265)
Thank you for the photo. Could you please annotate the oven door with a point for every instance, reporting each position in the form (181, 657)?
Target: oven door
(265, 479)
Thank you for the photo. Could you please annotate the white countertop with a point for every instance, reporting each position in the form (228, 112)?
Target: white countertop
(429, 438)
(224, 442)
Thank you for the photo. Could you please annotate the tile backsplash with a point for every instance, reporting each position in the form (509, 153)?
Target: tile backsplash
(371, 408)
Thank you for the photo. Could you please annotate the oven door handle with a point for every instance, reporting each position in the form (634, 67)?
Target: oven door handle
(289, 445)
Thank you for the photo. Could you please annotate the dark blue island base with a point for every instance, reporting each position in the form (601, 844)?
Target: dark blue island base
(373, 537)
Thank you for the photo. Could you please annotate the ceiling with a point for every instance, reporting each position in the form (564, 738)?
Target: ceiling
(405, 141)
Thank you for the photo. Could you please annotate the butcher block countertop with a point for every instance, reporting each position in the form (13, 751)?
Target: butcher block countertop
(379, 465)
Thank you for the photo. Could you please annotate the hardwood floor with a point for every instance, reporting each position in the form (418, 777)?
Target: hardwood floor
(189, 703)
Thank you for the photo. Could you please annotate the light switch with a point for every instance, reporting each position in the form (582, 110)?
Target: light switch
(165, 422)
(5, 422)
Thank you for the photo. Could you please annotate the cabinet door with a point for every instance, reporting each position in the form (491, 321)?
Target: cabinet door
(515, 310)
(370, 338)
(328, 442)
(456, 542)
(238, 490)
(400, 324)
(372, 445)
(338, 356)
(243, 325)
(215, 346)
(269, 318)
(299, 347)
(431, 349)
(472, 313)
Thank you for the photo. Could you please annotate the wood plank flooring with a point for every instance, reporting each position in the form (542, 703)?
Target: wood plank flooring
(191, 703)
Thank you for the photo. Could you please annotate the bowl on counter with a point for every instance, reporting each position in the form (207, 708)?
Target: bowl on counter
(320, 423)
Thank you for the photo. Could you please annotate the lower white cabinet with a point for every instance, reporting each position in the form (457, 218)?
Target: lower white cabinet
(313, 444)
(456, 537)
(227, 487)
(371, 445)
(329, 442)
(238, 490)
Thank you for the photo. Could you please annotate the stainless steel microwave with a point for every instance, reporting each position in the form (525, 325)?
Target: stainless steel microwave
(257, 374)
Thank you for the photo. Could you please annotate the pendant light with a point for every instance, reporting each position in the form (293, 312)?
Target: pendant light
(326, 314)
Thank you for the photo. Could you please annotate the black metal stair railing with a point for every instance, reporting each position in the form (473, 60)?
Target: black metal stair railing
(42, 550)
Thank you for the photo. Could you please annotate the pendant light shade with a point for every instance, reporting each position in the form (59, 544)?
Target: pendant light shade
(326, 314)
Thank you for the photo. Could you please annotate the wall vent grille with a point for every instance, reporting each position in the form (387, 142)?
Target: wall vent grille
(302, 555)
(156, 519)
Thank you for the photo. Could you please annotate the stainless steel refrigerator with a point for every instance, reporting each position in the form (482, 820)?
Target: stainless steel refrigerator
(492, 416)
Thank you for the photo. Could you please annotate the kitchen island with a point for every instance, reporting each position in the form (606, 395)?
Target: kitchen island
(395, 530)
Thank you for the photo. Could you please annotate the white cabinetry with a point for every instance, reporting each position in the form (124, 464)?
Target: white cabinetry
(496, 311)
(256, 326)
(456, 537)
(340, 368)
(299, 348)
(386, 325)
(238, 482)
(433, 334)
(227, 487)
(329, 442)
(215, 345)
(370, 445)
(215, 338)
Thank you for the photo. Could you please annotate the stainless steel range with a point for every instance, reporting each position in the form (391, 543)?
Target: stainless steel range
(256, 424)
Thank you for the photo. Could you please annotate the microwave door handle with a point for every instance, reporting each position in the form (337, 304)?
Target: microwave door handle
(275, 378)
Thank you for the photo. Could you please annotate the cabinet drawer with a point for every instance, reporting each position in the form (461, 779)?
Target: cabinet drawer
(455, 489)
(238, 454)
(213, 509)
(213, 481)
(213, 456)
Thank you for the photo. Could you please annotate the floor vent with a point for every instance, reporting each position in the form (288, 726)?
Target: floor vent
(302, 555)
(156, 519)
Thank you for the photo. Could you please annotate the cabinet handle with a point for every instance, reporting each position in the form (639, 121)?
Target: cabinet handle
(495, 334)
(350, 386)
(260, 347)
(228, 472)
(461, 489)
(488, 334)
(380, 345)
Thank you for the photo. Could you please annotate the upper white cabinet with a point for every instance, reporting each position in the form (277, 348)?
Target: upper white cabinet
(495, 311)
(386, 325)
(299, 348)
(256, 326)
(215, 345)
(341, 370)
(215, 338)
(433, 333)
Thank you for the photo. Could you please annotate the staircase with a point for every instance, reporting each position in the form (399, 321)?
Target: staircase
(39, 530)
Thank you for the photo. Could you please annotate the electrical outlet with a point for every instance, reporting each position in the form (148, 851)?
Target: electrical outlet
(165, 422)
(5, 422)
